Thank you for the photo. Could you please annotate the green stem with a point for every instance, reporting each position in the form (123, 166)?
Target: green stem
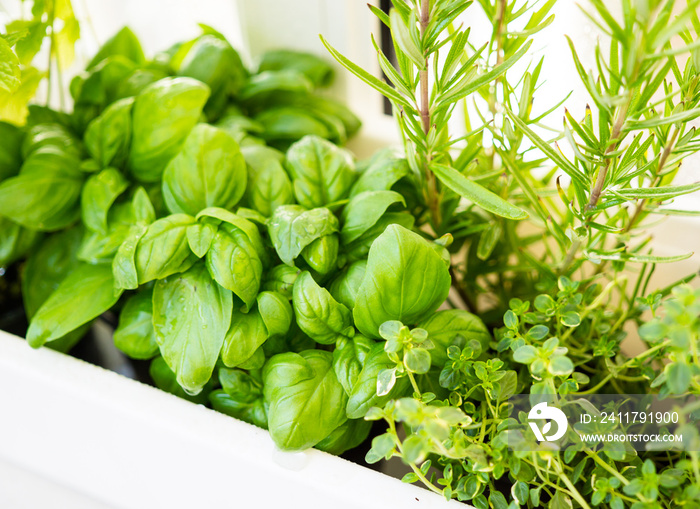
(572, 489)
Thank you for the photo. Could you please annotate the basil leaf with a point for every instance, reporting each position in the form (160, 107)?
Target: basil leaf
(15, 241)
(191, 314)
(123, 43)
(345, 286)
(165, 380)
(10, 154)
(44, 196)
(292, 228)
(199, 237)
(245, 335)
(51, 135)
(86, 293)
(445, 326)
(284, 125)
(209, 171)
(349, 358)
(163, 249)
(359, 248)
(252, 413)
(317, 70)
(322, 254)
(322, 173)
(268, 183)
(363, 212)
(135, 335)
(384, 171)
(234, 264)
(124, 262)
(242, 224)
(363, 395)
(318, 314)
(53, 259)
(213, 61)
(163, 115)
(107, 138)
(406, 280)
(100, 247)
(281, 279)
(305, 399)
(99, 193)
(347, 436)
(276, 313)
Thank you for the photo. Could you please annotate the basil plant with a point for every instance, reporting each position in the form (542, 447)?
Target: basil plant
(256, 265)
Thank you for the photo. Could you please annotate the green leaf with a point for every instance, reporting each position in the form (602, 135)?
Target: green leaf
(321, 172)
(662, 192)
(292, 228)
(464, 88)
(268, 183)
(44, 196)
(135, 335)
(15, 241)
(349, 358)
(239, 222)
(476, 193)
(9, 68)
(525, 354)
(165, 380)
(191, 314)
(209, 171)
(245, 335)
(316, 69)
(306, 401)
(47, 266)
(382, 446)
(375, 83)
(417, 360)
(99, 193)
(364, 393)
(163, 250)
(29, 45)
(318, 314)
(402, 36)
(234, 263)
(108, 137)
(345, 286)
(123, 43)
(678, 377)
(406, 280)
(347, 436)
(322, 254)
(633, 257)
(251, 412)
(560, 365)
(163, 115)
(364, 210)
(552, 154)
(213, 61)
(200, 237)
(383, 172)
(83, 295)
(447, 327)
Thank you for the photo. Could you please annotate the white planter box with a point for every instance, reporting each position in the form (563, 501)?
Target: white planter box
(78, 436)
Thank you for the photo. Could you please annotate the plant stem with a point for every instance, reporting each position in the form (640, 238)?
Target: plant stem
(572, 489)
(662, 162)
(614, 137)
(424, 109)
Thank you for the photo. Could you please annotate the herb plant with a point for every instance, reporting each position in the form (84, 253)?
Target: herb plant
(263, 271)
